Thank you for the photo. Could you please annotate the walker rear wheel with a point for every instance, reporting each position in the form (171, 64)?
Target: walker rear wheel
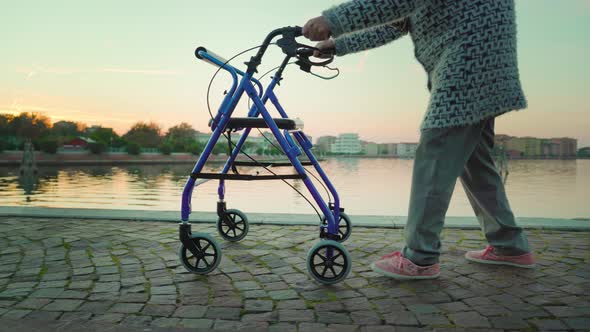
(206, 260)
(328, 262)
(233, 226)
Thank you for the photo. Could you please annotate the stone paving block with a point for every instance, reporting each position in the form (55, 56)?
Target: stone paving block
(32, 303)
(126, 308)
(203, 324)
(165, 322)
(378, 328)
(44, 315)
(292, 304)
(76, 315)
(401, 318)
(282, 327)
(578, 323)
(420, 309)
(508, 323)
(258, 305)
(227, 301)
(16, 313)
(432, 319)
(288, 294)
(223, 313)
(47, 292)
(296, 315)
(133, 320)
(548, 324)
(158, 310)
(365, 317)
(63, 305)
(190, 311)
(329, 317)
(163, 290)
(341, 328)
(261, 317)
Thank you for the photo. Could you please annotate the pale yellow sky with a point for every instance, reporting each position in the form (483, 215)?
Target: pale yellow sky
(114, 63)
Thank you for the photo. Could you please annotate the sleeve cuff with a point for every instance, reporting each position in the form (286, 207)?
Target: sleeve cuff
(340, 46)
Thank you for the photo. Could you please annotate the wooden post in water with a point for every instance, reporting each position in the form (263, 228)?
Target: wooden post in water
(28, 169)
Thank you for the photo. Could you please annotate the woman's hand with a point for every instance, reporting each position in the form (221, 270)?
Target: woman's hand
(327, 49)
(317, 29)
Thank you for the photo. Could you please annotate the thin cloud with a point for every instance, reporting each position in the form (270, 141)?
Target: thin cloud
(140, 71)
(36, 70)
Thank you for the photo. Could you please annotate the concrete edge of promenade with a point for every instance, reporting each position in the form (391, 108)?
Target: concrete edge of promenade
(578, 224)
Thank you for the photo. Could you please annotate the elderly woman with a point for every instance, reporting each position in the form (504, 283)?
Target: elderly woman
(468, 50)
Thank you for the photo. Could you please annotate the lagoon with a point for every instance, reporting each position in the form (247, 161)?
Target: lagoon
(381, 186)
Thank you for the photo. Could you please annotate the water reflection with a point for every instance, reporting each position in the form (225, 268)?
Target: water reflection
(541, 188)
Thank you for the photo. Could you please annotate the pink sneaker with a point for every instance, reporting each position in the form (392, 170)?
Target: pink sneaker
(396, 266)
(487, 256)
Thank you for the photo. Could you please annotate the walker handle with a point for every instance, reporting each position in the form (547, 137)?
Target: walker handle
(216, 56)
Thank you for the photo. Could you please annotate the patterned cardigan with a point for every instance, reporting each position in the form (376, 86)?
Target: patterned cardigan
(467, 47)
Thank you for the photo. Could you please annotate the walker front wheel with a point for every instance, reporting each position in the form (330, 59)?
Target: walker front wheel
(206, 260)
(328, 262)
(344, 226)
(233, 226)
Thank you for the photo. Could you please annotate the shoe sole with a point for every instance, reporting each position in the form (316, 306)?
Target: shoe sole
(491, 262)
(401, 276)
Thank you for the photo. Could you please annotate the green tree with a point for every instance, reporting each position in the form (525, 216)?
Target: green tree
(133, 148)
(166, 148)
(31, 125)
(196, 148)
(220, 148)
(5, 127)
(106, 136)
(68, 129)
(97, 147)
(181, 137)
(49, 144)
(144, 134)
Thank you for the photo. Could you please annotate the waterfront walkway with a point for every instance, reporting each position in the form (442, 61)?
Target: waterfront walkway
(118, 275)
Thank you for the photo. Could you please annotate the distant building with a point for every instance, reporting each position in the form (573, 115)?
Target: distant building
(370, 148)
(406, 150)
(532, 147)
(584, 153)
(560, 147)
(347, 144)
(388, 149)
(324, 143)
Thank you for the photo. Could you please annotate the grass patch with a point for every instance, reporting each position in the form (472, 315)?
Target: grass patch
(42, 272)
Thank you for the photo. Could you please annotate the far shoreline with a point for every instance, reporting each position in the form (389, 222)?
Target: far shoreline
(85, 158)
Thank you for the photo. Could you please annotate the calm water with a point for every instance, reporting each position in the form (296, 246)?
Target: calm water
(536, 188)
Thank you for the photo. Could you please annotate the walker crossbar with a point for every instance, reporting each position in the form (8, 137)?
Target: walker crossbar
(325, 258)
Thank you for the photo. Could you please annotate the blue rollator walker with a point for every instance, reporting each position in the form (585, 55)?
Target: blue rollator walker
(328, 261)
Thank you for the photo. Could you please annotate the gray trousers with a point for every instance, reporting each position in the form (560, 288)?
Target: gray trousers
(443, 155)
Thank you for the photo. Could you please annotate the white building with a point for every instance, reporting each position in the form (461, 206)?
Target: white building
(347, 144)
(406, 150)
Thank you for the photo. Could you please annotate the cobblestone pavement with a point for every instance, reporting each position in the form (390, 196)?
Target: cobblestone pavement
(128, 273)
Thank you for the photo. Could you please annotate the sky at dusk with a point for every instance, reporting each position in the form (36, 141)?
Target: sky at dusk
(114, 63)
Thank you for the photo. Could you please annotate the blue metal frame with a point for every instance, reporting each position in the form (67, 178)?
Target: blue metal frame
(284, 139)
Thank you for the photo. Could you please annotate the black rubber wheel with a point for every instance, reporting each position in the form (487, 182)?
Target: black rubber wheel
(209, 258)
(328, 262)
(234, 226)
(344, 226)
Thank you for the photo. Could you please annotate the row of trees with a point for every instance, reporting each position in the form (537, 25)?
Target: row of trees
(49, 137)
